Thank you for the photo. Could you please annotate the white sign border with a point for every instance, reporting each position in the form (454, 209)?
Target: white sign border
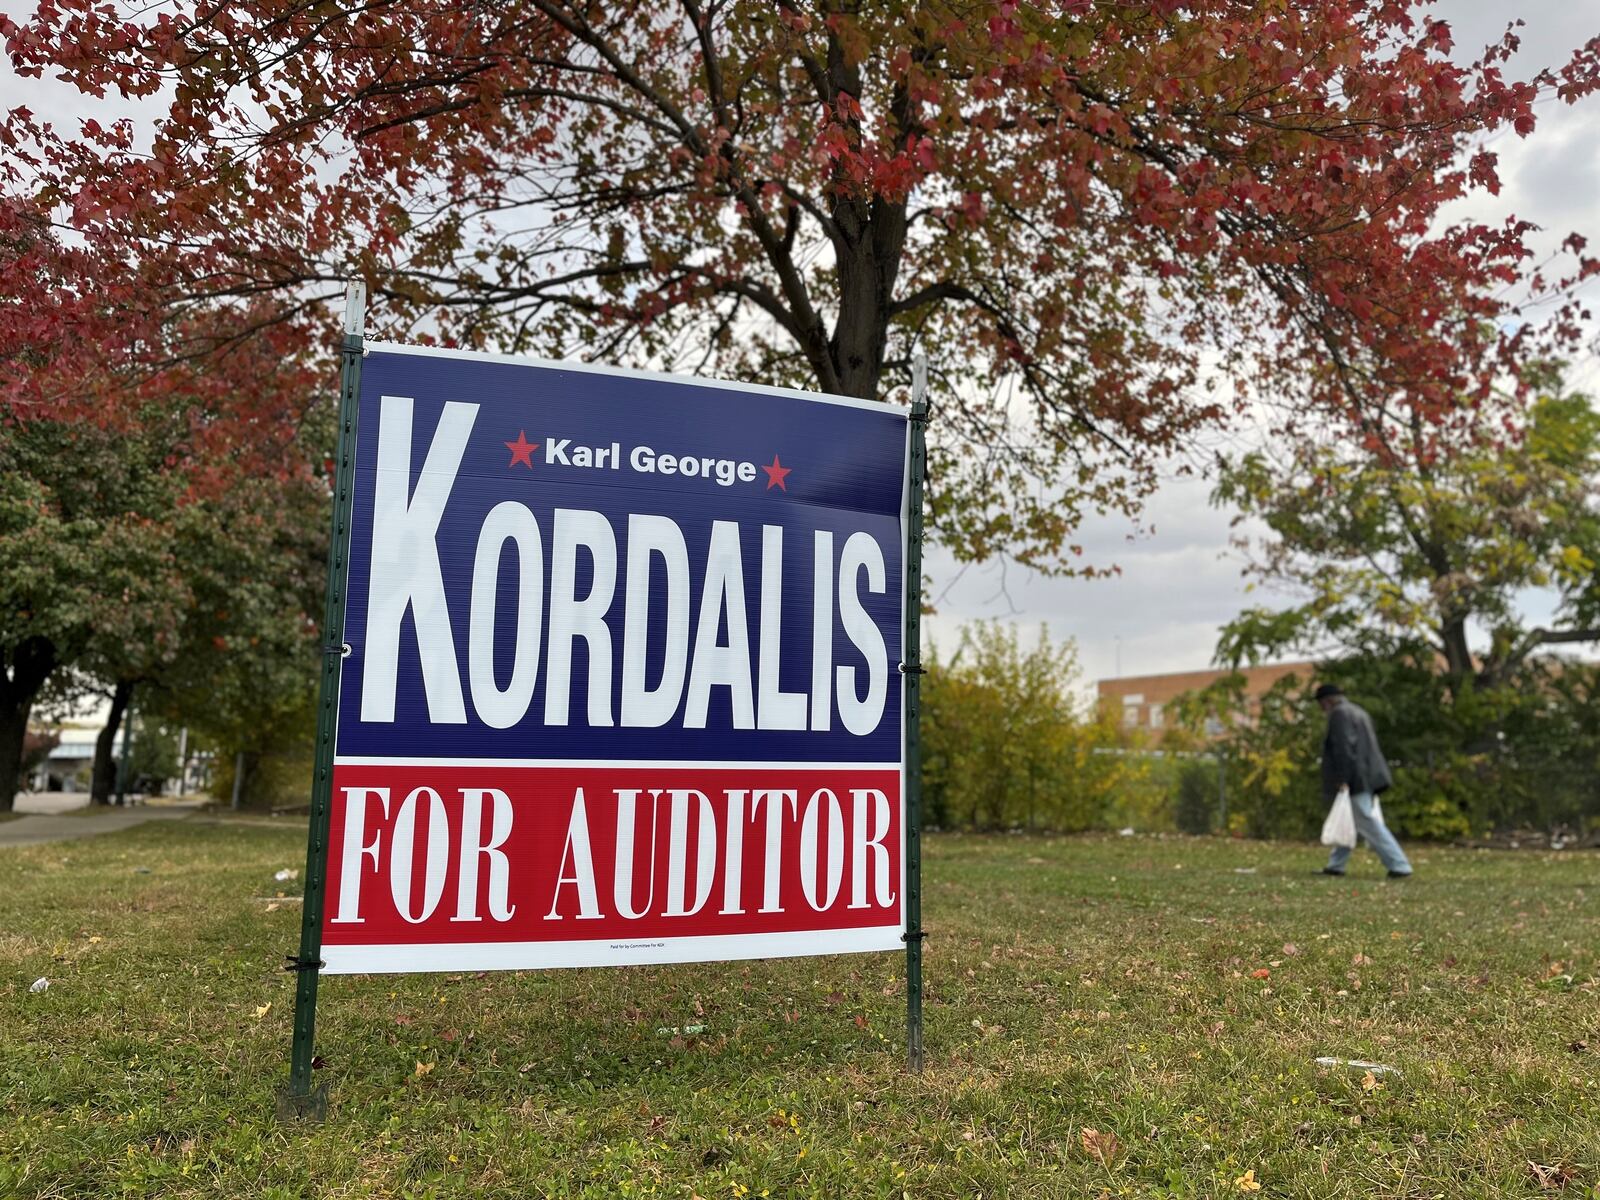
(599, 952)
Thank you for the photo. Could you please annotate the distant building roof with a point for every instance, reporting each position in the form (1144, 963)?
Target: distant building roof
(1143, 699)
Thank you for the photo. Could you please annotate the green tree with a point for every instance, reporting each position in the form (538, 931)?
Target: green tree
(1421, 533)
(85, 561)
(120, 572)
(1413, 553)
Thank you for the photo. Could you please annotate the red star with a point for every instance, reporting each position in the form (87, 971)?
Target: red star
(775, 474)
(522, 450)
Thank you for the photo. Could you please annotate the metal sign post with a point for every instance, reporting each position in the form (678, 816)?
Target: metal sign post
(300, 1099)
(913, 669)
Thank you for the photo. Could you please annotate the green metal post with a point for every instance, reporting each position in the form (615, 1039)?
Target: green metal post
(300, 1100)
(912, 674)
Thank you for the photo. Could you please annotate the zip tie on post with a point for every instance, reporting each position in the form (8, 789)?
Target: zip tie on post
(293, 962)
(921, 935)
(918, 670)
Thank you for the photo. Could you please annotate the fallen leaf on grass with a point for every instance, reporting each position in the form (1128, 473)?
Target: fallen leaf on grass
(1102, 1146)
(1290, 949)
(402, 1019)
(1261, 973)
(96, 940)
(422, 1069)
(1360, 960)
(1369, 1082)
(263, 1009)
(273, 907)
(1548, 1177)
(1247, 1182)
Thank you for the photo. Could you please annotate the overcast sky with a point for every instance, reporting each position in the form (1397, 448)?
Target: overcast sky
(1179, 582)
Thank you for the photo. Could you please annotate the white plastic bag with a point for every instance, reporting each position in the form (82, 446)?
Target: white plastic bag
(1340, 827)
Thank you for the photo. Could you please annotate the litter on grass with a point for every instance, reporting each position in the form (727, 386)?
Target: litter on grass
(685, 1031)
(285, 875)
(39, 985)
(1358, 1064)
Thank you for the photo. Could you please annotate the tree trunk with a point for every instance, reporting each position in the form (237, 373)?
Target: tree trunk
(105, 767)
(31, 663)
(868, 248)
(867, 268)
(1457, 653)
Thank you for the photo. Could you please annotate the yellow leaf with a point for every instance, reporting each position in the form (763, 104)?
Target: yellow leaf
(263, 1009)
(1369, 1082)
(1247, 1182)
(422, 1069)
(273, 907)
(96, 939)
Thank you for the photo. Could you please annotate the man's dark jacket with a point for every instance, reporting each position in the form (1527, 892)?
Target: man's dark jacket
(1350, 754)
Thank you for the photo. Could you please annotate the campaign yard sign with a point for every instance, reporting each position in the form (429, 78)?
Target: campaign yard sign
(622, 672)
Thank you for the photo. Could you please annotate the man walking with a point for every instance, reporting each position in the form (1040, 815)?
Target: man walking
(1351, 759)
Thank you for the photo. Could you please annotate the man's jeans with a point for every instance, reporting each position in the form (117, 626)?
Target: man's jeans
(1371, 829)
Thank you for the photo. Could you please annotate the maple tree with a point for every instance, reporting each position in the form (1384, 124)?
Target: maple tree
(1085, 214)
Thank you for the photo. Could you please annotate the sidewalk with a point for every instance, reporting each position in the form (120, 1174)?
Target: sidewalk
(59, 817)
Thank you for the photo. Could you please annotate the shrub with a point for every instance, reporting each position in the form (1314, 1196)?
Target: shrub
(1005, 745)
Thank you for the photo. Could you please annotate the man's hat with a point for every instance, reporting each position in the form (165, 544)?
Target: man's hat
(1328, 690)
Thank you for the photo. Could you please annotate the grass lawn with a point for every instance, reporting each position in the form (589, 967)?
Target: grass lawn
(1106, 1016)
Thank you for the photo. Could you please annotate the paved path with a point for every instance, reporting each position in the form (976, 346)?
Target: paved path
(55, 818)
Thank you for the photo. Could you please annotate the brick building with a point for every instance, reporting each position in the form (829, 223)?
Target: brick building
(1142, 700)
